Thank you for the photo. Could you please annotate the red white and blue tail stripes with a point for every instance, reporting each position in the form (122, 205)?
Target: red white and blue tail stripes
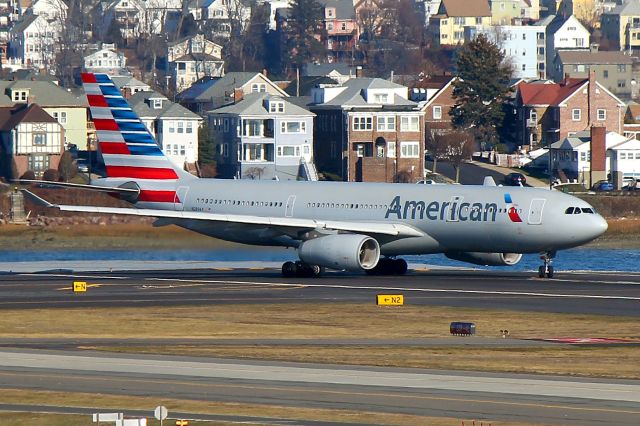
(129, 151)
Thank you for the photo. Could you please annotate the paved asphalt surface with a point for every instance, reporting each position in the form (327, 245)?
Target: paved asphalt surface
(470, 174)
(55, 364)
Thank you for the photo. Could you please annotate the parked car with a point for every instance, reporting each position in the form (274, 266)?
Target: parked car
(515, 179)
(631, 185)
(602, 186)
(82, 165)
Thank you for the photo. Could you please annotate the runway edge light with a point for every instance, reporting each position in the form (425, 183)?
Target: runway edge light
(79, 286)
(389, 300)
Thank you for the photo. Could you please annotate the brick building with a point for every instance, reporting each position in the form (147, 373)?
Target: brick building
(435, 96)
(549, 112)
(367, 130)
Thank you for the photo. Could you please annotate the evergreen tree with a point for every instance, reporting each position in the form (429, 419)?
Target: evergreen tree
(303, 32)
(206, 146)
(481, 90)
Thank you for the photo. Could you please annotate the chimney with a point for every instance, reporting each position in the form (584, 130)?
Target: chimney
(238, 94)
(264, 72)
(598, 154)
(126, 92)
(594, 47)
(591, 97)
(359, 71)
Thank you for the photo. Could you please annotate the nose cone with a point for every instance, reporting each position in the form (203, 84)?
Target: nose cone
(594, 228)
(600, 226)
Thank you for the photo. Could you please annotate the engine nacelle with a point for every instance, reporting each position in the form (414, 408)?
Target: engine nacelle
(486, 259)
(352, 252)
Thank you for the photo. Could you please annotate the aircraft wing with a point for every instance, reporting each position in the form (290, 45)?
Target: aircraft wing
(286, 223)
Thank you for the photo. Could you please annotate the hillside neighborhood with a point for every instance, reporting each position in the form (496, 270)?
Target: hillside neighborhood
(347, 90)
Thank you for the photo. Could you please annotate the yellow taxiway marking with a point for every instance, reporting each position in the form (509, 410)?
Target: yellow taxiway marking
(330, 392)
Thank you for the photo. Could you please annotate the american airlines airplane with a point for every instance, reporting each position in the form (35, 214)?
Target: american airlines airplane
(337, 225)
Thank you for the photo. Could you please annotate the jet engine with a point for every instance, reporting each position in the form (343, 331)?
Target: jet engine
(486, 259)
(352, 252)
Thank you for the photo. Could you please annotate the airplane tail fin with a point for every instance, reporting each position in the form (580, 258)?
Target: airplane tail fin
(130, 153)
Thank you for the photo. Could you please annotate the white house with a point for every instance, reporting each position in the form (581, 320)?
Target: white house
(50, 9)
(33, 40)
(107, 60)
(192, 58)
(573, 155)
(129, 15)
(566, 34)
(523, 45)
(174, 127)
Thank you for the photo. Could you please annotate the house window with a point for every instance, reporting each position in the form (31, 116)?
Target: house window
(623, 156)
(458, 20)
(409, 124)
(437, 112)
(61, 117)
(602, 114)
(622, 83)
(180, 127)
(410, 149)
(362, 123)
(533, 115)
(622, 68)
(276, 106)
(605, 73)
(172, 127)
(40, 139)
(19, 95)
(458, 35)
(157, 103)
(288, 151)
(478, 21)
(189, 127)
(380, 98)
(391, 149)
(386, 124)
(576, 114)
(583, 156)
(38, 163)
(293, 127)
(258, 87)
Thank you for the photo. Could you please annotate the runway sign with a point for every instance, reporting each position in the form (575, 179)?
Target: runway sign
(389, 300)
(79, 286)
(108, 417)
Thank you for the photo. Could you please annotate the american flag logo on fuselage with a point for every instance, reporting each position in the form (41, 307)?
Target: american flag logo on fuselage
(129, 151)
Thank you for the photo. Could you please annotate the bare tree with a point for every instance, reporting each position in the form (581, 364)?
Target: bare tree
(436, 144)
(460, 147)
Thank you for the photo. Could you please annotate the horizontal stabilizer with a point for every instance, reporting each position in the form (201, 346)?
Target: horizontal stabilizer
(80, 186)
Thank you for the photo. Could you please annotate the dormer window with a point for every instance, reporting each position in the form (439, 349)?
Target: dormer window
(381, 98)
(276, 106)
(196, 46)
(19, 95)
(157, 103)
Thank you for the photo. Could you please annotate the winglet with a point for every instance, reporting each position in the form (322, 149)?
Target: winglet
(488, 181)
(37, 199)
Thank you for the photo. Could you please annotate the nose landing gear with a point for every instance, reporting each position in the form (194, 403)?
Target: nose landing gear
(547, 268)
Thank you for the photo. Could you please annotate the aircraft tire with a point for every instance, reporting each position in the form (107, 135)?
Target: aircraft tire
(289, 269)
(399, 267)
(550, 272)
(541, 272)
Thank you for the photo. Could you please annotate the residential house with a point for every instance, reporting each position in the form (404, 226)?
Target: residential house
(428, 8)
(530, 9)
(340, 71)
(263, 136)
(105, 60)
(174, 127)
(212, 93)
(68, 109)
(565, 34)
(632, 121)
(369, 15)
(621, 27)
(549, 112)
(434, 95)
(50, 9)
(223, 15)
(340, 28)
(448, 25)
(33, 41)
(523, 46)
(505, 12)
(572, 157)
(30, 137)
(613, 68)
(192, 58)
(367, 130)
(129, 85)
(128, 15)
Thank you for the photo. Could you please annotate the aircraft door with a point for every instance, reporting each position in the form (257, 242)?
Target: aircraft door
(180, 197)
(288, 211)
(535, 211)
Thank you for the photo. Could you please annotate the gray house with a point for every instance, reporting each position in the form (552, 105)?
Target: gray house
(613, 68)
(264, 136)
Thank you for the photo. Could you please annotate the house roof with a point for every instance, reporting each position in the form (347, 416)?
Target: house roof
(24, 23)
(43, 93)
(465, 8)
(626, 9)
(10, 117)
(326, 69)
(588, 57)
(437, 81)
(216, 88)
(613, 140)
(549, 94)
(307, 83)
(354, 88)
(634, 111)
(127, 81)
(140, 105)
(344, 8)
(253, 104)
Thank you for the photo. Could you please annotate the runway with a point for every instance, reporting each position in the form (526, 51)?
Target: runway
(497, 397)
(54, 364)
(605, 293)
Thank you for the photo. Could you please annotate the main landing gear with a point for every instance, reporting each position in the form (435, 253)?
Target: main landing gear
(387, 266)
(547, 268)
(301, 270)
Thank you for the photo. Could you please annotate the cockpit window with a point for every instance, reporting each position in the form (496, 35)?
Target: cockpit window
(577, 211)
(569, 210)
(587, 210)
